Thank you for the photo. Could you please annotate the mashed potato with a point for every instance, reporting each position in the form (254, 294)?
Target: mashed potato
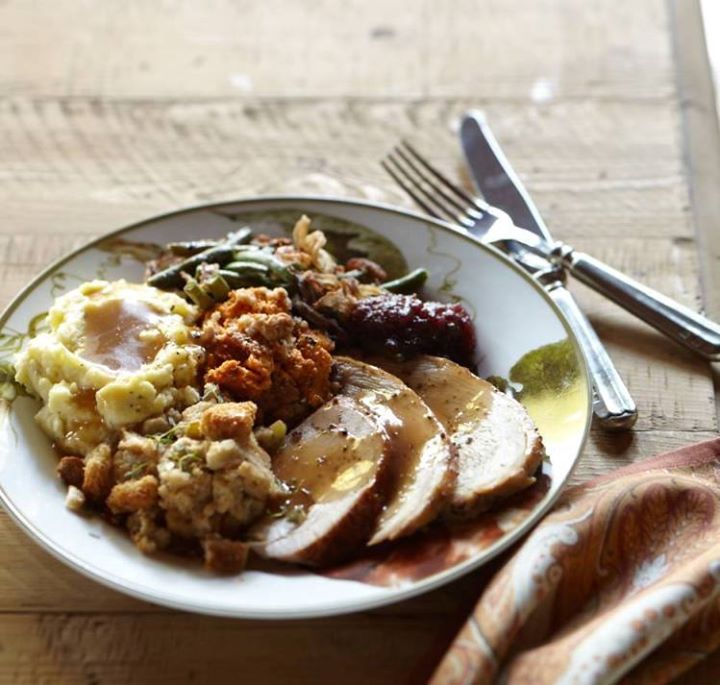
(116, 354)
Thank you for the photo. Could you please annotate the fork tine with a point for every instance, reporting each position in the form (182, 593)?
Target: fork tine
(429, 180)
(415, 188)
(431, 202)
(449, 209)
(427, 187)
(413, 195)
(453, 187)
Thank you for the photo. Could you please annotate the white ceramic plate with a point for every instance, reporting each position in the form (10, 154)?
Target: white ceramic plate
(513, 317)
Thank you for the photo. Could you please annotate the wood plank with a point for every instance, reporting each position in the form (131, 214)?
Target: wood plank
(173, 648)
(606, 452)
(595, 167)
(702, 141)
(510, 49)
(710, 16)
(672, 386)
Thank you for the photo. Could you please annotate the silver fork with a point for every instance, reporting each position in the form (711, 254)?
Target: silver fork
(444, 200)
(440, 198)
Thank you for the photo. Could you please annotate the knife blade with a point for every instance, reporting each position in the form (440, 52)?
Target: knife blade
(494, 176)
(500, 186)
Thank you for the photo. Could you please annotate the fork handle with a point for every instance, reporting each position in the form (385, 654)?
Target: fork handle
(678, 322)
(613, 406)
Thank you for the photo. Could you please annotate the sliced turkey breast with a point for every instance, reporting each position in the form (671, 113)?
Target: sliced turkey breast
(423, 460)
(499, 448)
(337, 464)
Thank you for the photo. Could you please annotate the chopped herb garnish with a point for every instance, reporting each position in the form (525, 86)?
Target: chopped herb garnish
(136, 471)
(188, 460)
(212, 393)
(294, 513)
(168, 437)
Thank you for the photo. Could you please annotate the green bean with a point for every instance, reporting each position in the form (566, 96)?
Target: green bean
(240, 237)
(172, 276)
(254, 248)
(265, 255)
(233, 279)
(190, 247)
(276, 271)
(221, 254)
(193, 290)
(409, 283)
(248, 274)
(246, 265)
(260, 257)
(217, 287)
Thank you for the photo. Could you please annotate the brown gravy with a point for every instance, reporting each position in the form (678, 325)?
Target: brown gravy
(112, 334)
(330, 454)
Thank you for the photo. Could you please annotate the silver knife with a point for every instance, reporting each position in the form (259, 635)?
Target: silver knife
(497, 182)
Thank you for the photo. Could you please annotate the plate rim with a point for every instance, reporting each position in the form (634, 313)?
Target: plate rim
(394, 595)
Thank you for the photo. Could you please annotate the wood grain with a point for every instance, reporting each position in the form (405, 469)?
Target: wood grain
(702, 132)
(351, 49)
(114, 112)
(595, 167)
(177, 648)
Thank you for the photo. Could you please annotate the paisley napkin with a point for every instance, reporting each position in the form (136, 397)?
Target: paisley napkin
(620, 583)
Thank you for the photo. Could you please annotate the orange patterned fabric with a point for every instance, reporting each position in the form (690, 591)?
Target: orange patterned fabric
(620, 583)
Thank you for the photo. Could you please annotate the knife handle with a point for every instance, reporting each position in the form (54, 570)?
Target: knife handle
(678, 322)
(613, 406)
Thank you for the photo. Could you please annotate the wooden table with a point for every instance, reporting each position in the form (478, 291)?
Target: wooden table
(115, 111)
